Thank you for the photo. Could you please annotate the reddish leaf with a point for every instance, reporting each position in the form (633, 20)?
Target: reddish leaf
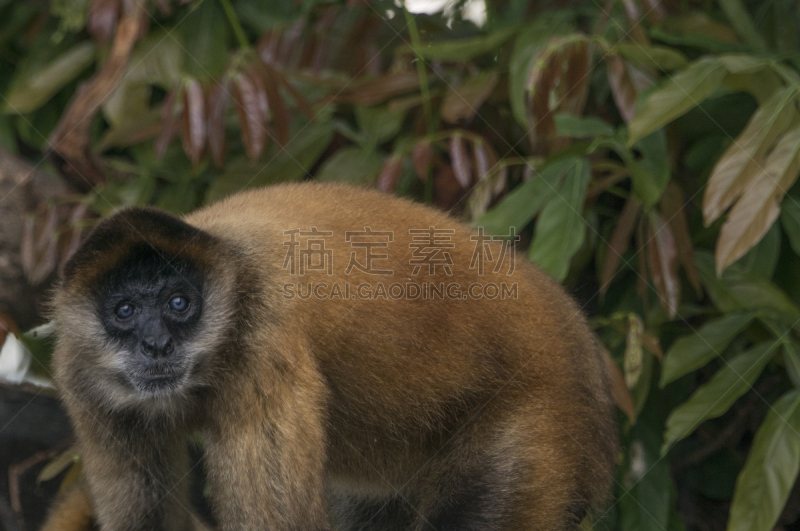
(268, 47)
(164, 8)
(39, 251)
(620, 241)
(217, 108)
(543, 79)
(619, 391)
(661, 257)
(292, 43)
(298, 98)
(480, 197)
(447, 192)
(101, 21)
(490, 179)
(502, 180)
(577, 79)
(390, 174)
(626, 82)
(70, 142)
(558, 83)
(251, 107)
(194, 120)
(650, 342)
(280, 116)
(655, 11)
(71, 239)
(634, 15)
(423, 157)
(461, 103)
(743, 159)
(381, 89)
(672, 205)
(170, 121)
(481, 157)
(462, 169)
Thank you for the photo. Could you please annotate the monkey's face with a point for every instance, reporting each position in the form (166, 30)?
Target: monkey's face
(150, 307)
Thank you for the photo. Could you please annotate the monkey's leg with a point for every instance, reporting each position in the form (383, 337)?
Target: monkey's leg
(265, 452)
(516, 471)
(358, 514)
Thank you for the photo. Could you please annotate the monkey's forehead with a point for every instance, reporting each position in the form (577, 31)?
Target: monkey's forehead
(140, 239)
(148, 270)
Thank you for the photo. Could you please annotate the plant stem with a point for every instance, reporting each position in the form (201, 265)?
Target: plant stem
(233, 20)
(416, 45)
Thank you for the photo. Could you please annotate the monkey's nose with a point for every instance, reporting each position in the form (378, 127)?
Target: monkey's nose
(158, 347)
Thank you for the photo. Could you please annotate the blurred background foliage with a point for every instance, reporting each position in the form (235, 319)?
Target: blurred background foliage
(646, 151)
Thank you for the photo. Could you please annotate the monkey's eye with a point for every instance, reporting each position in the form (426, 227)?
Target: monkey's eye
(124, 310)
(179, 303)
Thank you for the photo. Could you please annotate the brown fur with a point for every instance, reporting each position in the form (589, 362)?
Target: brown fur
(72, 511)
(399, 414)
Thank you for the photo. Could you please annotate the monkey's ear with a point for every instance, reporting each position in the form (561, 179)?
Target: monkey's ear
(116, 237)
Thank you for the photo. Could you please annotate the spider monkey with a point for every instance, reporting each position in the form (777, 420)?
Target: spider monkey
(353, 360)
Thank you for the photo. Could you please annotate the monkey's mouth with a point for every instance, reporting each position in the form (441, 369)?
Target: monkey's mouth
(159, 378)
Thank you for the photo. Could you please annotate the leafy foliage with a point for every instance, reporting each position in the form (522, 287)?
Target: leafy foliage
(644, 150)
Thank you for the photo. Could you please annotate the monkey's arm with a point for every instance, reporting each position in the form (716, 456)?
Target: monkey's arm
(137, 474)
(265, 454)
(73, 511)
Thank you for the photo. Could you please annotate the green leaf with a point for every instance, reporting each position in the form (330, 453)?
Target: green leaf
(715, 397)
(742, 23)
(7, 139)
(179, 197)
(30, 92)
(529, 43)
(790, 220)
(659, 57)
(738, 290)
(205, 37)
(573, 126)
(156, 60)
(378, 122)
(463, 49)
(650, 174)
(275, 165)
(646, 504)
(740, 63)
(560, 229)
(791, 358)
(692, 352)
(678, 95)
(762, 259)
(696, 40)
(525, 201)
(351, 165)
(765, 482)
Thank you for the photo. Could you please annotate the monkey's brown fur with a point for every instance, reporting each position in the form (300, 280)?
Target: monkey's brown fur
(387, 414)
(72, 511)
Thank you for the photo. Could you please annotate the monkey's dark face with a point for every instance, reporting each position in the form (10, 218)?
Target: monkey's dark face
(150, 307)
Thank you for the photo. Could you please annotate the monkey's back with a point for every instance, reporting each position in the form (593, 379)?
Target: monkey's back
(407, 369)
